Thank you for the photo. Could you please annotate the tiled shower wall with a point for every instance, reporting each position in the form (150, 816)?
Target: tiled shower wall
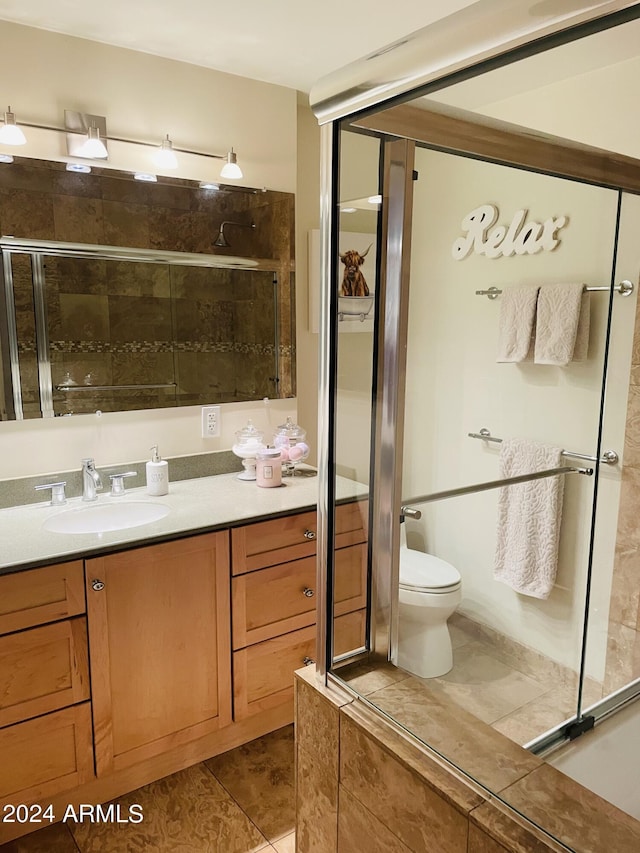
(623, 641)
(117, 323)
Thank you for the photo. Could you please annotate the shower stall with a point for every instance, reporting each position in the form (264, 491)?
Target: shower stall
(471, 197)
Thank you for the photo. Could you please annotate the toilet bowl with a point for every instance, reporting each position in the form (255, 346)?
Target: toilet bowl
(430, 591)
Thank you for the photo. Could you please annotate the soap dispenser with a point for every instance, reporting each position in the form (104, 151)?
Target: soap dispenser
(157, 474)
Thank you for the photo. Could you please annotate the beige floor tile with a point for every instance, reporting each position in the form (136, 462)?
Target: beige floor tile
(259, 777)
(485, 686)
(367, 678)
(286, 844)
(189, 812)
(51, 839)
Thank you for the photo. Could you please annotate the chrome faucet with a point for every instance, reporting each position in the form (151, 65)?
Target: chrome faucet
(91, 482)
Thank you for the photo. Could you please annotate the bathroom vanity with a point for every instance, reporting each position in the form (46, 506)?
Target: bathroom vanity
(148, 649)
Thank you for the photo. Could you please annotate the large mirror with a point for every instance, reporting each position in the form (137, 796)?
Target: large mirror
(119, 295)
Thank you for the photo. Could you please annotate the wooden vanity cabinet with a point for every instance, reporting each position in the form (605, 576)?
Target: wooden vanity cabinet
(159, 635)
(45, 718)
(274, 602)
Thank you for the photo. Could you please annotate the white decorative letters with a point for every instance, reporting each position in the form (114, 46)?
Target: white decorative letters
(502, 241)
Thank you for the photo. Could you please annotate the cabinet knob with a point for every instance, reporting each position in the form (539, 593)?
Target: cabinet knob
(309, 534)
(97, 585)
(308, 661)
(308, 592)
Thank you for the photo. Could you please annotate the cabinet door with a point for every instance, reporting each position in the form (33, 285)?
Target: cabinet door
(46, 756)
(37, 596)
(43, 669)
(159, 640)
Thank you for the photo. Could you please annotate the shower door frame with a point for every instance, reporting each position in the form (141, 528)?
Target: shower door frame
(444, 129)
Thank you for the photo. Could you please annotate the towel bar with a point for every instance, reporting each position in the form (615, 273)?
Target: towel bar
(625, 288)
(496, 484)
(609, 457)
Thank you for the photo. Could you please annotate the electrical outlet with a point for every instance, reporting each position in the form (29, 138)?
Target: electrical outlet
(210, 421)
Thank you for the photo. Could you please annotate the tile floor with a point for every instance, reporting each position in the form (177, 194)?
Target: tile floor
(239, 802)
(484, 683)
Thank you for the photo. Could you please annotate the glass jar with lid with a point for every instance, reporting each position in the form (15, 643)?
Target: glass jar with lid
(290, 439)
(248, 443)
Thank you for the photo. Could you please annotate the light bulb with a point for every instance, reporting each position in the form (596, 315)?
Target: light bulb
(231, 170)
(10, 133)
(82, 168)
(94, 147)
(165, 156)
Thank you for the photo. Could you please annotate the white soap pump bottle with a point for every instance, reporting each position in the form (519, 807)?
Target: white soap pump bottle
(157, 474)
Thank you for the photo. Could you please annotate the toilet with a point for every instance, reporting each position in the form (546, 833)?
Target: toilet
(430, 591)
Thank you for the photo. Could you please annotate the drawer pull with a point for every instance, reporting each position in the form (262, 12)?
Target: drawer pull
(97, 585)
(308, 592)
(309, 534)
(308, 661)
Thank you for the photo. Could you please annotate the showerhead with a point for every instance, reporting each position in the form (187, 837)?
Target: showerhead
(221, 240)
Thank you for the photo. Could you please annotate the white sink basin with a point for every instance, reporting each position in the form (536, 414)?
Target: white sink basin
(104, 517)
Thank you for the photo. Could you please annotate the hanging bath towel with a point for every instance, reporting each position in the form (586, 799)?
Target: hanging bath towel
(529, 516)
(516, 323)
(560, 307)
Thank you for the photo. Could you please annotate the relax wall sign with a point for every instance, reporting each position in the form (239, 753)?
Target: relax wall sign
(518, 238)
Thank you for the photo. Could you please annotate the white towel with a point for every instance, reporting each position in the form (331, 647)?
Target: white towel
(581, 348)
(516, 323)
(529, 516)
(559, 308)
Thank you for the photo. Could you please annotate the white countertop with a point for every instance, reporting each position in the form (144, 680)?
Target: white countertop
(195, 506)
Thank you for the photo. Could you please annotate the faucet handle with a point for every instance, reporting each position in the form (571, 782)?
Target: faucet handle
(117, 482)
(58, 496)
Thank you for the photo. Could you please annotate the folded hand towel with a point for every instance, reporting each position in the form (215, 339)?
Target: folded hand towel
(517, 315)
(557, 323)
(529, 516)
(581, 347)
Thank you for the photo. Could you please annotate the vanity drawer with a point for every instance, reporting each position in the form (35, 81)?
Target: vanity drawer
(263, 673)
(43, 669)
(37, 596)
(46, 756)
(273, 601)
(279, 540)
(283, 598)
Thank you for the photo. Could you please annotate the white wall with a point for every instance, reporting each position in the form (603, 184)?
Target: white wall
(599, 108)
(455, 386)
(145, 97)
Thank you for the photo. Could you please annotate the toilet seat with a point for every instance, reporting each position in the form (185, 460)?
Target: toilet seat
(420, 572)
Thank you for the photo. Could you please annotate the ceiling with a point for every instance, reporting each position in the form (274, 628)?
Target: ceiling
(287, 42)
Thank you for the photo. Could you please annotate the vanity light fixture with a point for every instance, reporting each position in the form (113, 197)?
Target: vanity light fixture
(209, 185)
(146, 176)
(6, 158)
(10, 133)
(87, 138)
(231, 170)
(94, 148)
(165, 156)
(83, 168)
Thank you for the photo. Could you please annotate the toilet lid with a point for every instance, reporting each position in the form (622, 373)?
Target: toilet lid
(424, 571)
